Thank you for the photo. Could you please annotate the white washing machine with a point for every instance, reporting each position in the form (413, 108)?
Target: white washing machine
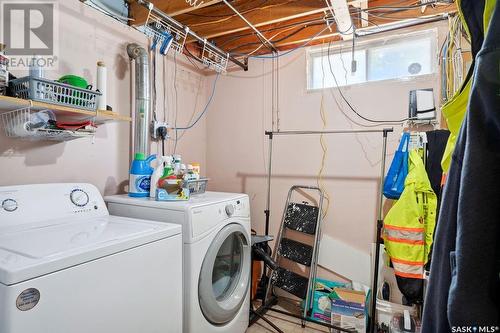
(216, 233)
(66, 265)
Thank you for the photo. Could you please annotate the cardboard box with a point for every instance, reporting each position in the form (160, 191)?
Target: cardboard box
(321, 302)
(349, 309)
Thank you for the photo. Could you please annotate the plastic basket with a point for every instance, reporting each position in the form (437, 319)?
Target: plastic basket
(19, 124)
(198, 186)
(54, 92)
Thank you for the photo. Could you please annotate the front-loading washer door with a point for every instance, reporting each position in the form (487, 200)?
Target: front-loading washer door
(225, 275)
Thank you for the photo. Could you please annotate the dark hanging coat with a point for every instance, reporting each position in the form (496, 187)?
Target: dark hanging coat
(464, 285)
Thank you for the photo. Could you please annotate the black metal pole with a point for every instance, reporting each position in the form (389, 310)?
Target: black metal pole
(380, 223)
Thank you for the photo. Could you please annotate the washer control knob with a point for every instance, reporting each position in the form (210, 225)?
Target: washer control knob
(79, 197)
(229, 210)
(9, 205)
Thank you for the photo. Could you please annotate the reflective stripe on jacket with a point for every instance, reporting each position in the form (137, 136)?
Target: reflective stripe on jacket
(409, 225)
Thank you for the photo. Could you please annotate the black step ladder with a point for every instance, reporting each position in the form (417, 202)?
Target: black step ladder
(304, 218)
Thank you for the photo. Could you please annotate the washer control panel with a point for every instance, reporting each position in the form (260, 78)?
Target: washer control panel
(27, 204)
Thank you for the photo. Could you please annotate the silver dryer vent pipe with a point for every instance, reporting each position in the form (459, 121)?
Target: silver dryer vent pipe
(142, 99)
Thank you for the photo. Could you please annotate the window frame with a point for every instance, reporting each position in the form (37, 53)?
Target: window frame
(365, 44)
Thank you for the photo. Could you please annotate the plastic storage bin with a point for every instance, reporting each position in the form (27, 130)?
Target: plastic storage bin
(49, 91)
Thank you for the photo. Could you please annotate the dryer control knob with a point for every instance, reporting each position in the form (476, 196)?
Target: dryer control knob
(229, 210)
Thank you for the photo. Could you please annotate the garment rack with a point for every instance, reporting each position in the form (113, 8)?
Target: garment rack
(271, 134)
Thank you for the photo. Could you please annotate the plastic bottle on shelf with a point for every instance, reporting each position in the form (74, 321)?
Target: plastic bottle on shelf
(177, 164)
(191, 175)
(182, 171)
(168, 170)
(197, 169)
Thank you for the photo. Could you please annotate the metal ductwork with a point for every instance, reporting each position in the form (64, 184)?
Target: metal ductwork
(142, 98)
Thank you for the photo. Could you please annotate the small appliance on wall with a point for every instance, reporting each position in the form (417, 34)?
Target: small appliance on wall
(422, 105)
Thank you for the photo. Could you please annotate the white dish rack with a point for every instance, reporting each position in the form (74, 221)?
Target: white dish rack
(19, 124)
(155, 27)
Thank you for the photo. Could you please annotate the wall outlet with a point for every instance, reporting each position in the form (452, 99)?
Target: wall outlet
(157, 128)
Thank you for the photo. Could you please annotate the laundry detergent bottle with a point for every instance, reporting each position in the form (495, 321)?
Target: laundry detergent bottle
(140, 176)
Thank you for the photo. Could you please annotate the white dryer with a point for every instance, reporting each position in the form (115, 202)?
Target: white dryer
(66, 265)
(216, 233)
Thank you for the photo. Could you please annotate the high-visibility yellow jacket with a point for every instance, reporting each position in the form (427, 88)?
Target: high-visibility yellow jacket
(409, 225)
(455, 109)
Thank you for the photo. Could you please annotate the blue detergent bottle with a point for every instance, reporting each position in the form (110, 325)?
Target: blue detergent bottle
(140, 176)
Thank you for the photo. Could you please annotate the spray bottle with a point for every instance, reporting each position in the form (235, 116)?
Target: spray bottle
(157, 174)
(140, 176)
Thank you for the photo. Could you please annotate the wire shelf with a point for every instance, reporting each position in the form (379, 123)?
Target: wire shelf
(213, 59)
(22, 124)
(159, 30)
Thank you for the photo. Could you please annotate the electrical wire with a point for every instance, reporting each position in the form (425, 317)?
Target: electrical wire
(222, 15)
(350, 105)
(341, 107)
(205, 109)
(155, 118)
(242, 12)
(176, 102)
(289, 51)
(316, 35)
(296, 24)
(324, 148)
(399, 8)
(200, 85)
(272, 38)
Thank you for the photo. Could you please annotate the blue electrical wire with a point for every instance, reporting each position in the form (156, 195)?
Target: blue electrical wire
(205, 109)
(287, 52)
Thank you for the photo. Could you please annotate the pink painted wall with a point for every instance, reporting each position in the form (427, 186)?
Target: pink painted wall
(237, 150)
(86, 36)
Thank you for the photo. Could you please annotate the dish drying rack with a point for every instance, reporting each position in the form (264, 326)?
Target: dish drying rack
(155, 28)
(213, 59)
(19, 124)
(162, 30)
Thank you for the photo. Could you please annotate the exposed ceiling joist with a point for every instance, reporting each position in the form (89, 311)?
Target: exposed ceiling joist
(300, 32)
(259, 13)
(285, 23)
(170, 7)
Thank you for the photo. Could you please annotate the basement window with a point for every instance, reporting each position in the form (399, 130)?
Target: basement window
(396, 57)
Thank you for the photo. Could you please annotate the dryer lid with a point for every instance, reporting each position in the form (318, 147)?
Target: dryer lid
(59, 244)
